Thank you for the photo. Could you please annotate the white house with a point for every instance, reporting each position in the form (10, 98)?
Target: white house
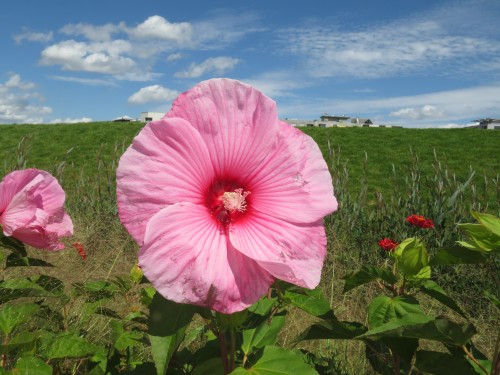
(151, 116)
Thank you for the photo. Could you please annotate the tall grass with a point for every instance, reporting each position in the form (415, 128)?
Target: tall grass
(380, 177)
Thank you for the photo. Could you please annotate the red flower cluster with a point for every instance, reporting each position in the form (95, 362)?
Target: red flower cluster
(387, 244)
(420, 221)
(81, 251)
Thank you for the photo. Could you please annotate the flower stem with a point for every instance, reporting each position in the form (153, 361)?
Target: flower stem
(223, 351)
(469, 354)
(233, 350)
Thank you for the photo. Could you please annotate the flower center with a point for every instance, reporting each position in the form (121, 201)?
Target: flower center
(235, 200)
(226, 202)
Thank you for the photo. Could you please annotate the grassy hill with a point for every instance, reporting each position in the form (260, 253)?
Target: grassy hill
(370, 153)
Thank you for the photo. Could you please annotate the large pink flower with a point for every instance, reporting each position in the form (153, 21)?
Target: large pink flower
(31, 209)
(223, 198)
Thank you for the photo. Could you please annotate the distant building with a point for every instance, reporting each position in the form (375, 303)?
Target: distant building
(329, 121)
(123, 119)
(151, 116)
(487, 123)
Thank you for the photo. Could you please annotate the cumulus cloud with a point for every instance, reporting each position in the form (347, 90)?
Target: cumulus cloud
(94, 57)
(19, 103)
(425, 112)
(157, 27)
(218, 65)
(31, 36)
(154, 93)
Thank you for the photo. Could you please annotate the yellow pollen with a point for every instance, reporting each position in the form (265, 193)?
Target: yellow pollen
(235, 200)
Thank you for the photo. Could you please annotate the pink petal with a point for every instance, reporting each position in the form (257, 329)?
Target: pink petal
(188, 259)
(36, 233)
(290, 252)
(293, 183)
(237, 123)
(166, 163)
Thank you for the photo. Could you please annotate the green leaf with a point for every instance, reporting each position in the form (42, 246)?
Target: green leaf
(67, 345)
(368, 274)
(13, 315)
(411, 256)
(332, 329)
(484, 236)
(265, 334)
(457, 255)
(311, 301)
(166, 327)
(31, 366)
(490, 222)
(383, 309)
(423, 327)
(277, 361)
(433, 290)
(442, 363)
(136, 274)
(124, 339)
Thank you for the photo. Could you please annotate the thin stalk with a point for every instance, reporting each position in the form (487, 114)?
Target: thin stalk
(233, 350)
(469, 354)
(223, 351)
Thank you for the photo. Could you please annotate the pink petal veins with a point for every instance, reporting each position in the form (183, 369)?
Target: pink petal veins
(167, 163)
(290, 252)
(188, 260)
(237, 123)
(293, 183)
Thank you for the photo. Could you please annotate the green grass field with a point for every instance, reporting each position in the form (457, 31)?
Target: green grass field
(380, 176)
(83, 146)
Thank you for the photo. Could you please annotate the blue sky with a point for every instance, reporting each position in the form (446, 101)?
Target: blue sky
(412, 63)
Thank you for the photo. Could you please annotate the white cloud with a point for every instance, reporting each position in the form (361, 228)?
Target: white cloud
(19, 102)
(456, 106)
(425, 112)
(217, 65)
(85, 81)
(32, 36)
(93, 32)
(69, 120)
(102, 57)
(422, 43)
(155, 93)
(277, 83)
(175, 56)
(157, 27)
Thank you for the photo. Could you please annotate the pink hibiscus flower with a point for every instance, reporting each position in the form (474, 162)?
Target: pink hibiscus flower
(31, 209)
(223, 198)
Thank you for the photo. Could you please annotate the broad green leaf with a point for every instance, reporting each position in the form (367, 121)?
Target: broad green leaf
(265, 334)
(492, 223)
(442, 363)
(277, 361)
(457, 255)
(480, 238)
(368, 274)
(13, 315)
(411, 256)
(124, 339)
(433, 290)
(31, 366)
(383, 309)
(332, 329)
(166, 327)
(423, 327)
(311, 301)
(68, 345)
(22, 342)
(263, 306)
